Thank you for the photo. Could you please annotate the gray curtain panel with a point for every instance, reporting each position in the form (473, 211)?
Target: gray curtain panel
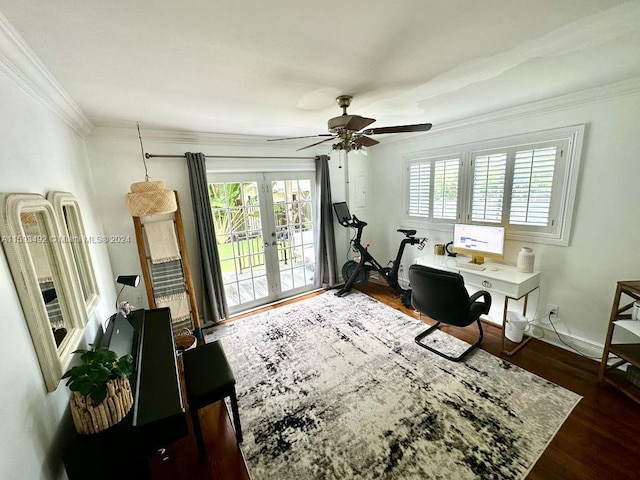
(214, 299)
(326, 260)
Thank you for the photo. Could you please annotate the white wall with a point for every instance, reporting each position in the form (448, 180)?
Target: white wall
(39, 153)
(579, 278)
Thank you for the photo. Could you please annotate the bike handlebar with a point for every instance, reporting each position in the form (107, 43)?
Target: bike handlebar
(354, 222)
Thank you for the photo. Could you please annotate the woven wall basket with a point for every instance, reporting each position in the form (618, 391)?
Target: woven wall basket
(93, 418)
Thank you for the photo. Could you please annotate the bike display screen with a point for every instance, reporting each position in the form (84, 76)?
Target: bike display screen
(342, 212)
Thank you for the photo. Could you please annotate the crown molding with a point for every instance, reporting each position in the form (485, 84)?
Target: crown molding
(25, 69)
(593, 95)
(128, 131)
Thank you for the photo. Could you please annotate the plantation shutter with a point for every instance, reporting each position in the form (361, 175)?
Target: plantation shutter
(489, 173)
(445, 188)
(419, 183)
(532, 186)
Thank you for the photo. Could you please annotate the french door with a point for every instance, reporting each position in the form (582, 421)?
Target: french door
(265, 227)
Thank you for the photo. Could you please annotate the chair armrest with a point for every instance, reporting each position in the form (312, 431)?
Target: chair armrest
(486, 298)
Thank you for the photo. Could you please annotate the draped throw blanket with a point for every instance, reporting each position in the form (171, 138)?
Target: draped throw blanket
(179, 306)
(167, 278)
(167, 274)
(163, 244)
(169, 290)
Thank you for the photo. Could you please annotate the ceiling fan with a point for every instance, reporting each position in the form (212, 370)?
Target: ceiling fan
(348, 130)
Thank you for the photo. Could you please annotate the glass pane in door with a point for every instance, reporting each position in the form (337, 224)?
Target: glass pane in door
(236, 216)
(292, 210)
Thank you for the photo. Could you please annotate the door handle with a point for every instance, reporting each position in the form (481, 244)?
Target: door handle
(266, 244)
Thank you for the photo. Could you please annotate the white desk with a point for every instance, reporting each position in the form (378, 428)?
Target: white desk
(496, 277)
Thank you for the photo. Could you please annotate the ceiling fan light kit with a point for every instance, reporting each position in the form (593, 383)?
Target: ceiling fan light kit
(348, 130)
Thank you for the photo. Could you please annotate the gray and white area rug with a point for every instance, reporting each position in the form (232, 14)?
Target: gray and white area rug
(336, 388)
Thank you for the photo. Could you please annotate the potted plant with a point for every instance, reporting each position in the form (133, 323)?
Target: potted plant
(101, 391)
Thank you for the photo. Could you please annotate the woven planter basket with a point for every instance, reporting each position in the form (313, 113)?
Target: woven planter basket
(184, 341)
(91, 418)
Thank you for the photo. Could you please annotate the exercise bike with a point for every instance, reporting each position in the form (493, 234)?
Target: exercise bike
(356, 273)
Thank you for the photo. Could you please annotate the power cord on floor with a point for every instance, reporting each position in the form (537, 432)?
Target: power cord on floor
(565, 343)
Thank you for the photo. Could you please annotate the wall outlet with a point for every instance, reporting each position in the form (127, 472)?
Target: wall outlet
(137, 300)
(553, 310)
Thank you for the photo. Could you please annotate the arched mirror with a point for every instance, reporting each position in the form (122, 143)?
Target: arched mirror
(44, 275)
(68, 213)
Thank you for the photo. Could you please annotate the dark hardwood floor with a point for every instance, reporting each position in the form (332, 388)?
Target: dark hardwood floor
(599, 440)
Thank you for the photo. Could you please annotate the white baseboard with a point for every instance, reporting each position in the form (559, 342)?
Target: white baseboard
(543, 332)
(584, 347)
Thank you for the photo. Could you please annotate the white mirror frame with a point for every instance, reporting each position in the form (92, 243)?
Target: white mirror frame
(53, 359)
(77, 235)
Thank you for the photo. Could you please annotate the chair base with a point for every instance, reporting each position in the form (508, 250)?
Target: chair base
(460, 357)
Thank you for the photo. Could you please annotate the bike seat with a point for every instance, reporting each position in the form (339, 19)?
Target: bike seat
(408, 233)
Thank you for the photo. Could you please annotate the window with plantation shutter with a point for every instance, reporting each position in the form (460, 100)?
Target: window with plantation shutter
(532, 186)
(527, 183)
(419, 187)
(487, 199)
(433, 188)
(445, 188)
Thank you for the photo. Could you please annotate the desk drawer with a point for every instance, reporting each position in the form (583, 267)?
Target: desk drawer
(491, 283)
(486, 283)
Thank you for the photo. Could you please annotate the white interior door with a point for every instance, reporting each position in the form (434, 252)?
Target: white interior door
(265, 234)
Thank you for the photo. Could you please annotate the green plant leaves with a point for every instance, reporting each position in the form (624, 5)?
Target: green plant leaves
(97, 368)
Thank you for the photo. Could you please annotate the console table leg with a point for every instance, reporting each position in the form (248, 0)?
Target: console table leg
(504, 323)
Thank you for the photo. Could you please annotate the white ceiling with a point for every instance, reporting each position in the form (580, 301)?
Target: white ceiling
(275, 67)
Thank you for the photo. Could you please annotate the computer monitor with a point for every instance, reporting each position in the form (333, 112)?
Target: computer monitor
(479, 241)
(342, 212)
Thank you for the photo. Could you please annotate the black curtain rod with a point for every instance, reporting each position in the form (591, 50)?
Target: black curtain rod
(151, 155)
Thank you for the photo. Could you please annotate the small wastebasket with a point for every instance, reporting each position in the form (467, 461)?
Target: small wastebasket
(516, 324)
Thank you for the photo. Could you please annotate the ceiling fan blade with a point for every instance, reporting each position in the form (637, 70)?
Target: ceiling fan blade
(295, 138)
(357, 123)
(366, 141)
(314, 144)
(420, 127)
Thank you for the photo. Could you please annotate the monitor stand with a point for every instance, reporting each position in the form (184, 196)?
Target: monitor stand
(477, 260)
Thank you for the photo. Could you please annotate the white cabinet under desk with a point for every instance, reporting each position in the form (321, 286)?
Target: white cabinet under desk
(496, 277)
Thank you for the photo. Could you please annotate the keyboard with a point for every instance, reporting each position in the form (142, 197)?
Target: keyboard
(471, 266)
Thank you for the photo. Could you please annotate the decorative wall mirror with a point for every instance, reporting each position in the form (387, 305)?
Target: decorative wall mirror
(68, 213)
(44, 275)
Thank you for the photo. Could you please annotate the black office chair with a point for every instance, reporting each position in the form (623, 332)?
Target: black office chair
(442, 296)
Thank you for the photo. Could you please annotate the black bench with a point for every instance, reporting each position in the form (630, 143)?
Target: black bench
(209, 379)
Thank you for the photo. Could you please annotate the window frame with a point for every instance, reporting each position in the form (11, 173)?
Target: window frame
(565, 183)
